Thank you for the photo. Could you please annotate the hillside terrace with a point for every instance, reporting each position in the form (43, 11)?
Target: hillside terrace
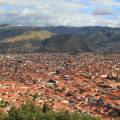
(84, 82)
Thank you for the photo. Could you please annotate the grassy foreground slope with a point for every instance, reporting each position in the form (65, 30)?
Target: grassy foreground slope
(32, 112)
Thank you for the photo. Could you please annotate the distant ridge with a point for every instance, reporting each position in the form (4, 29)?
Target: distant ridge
(24, 39)
(30, 35)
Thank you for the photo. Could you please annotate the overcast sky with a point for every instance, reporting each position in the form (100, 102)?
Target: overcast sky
(60, 12)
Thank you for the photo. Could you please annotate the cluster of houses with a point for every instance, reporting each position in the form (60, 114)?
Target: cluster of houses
(85, 82)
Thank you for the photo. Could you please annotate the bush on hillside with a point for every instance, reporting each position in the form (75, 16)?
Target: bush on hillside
(33, 112)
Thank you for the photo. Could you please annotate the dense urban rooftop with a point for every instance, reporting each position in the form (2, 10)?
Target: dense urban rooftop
(86, 82)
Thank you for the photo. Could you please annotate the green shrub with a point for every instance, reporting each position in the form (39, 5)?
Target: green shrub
(45, 108)
(2, 104)
(30, 111)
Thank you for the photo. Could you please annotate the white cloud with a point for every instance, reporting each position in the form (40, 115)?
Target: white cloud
(26, 12)
(106, 2)
(58, 12)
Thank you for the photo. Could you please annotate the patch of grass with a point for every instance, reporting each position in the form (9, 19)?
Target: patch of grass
(33, 112)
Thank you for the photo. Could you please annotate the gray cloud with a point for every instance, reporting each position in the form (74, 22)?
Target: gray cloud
(104, 11)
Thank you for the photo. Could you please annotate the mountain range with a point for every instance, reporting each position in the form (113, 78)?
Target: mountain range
(36, 39)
